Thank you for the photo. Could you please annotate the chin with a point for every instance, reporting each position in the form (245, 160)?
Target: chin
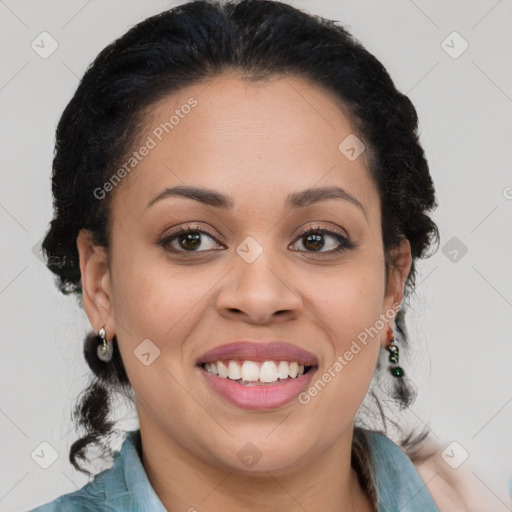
(259, 455)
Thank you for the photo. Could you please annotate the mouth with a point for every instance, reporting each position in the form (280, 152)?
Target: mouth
(254, 373)
(257, 376)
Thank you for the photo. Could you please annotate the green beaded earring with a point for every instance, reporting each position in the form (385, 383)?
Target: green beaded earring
(392, 348)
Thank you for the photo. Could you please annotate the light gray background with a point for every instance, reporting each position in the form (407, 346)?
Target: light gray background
(461, 314)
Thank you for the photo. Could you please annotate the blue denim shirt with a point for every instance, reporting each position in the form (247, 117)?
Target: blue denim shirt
(125, 487)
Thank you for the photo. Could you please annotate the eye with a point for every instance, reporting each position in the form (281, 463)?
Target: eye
(314, 240)
(188, 239)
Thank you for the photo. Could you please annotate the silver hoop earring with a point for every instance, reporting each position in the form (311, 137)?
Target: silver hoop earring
(106, 348)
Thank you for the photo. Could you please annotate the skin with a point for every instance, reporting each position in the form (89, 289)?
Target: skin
(255, 142)
(453, 489)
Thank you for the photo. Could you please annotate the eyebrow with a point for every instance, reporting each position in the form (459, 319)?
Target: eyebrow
(295, 200)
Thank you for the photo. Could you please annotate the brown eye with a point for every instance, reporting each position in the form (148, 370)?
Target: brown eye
(322, 240)
(188, 240)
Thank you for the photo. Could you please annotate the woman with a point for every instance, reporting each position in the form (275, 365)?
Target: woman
(240, 200)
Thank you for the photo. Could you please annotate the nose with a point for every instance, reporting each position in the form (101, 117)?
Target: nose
(260, 293)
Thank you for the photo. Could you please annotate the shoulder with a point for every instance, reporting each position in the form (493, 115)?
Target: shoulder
(453, 489)
(78, 501)
(87, 499)
(90, 498)
(110, 490)
(454, 485)
(398, 484)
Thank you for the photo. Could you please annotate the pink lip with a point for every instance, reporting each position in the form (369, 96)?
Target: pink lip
(258, 397)
(264, 397)
(258, 352)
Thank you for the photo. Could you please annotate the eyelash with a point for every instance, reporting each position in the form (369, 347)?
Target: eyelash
(344, 242)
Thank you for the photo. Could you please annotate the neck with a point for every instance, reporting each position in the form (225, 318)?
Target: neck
(184, 481)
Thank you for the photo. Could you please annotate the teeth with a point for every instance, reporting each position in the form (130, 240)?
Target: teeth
(222, 369)
(282, 370)
(250, 371)
(234, 371)
(210, 367)
(268, 372)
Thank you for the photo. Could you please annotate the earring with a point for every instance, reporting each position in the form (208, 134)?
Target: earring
(106, 348)
(392, 348)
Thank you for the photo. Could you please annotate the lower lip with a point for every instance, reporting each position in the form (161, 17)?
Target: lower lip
(265, 397)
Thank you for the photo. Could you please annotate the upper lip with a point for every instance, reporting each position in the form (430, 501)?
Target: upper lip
(259, 351)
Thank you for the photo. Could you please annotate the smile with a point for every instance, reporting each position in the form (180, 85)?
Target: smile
(257, 375)
(254, 373)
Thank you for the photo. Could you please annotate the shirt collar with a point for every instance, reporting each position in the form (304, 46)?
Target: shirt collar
(126, 486)
(397, 482)
(398, 485)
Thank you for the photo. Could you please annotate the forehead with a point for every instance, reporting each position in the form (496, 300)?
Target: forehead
(242, 137)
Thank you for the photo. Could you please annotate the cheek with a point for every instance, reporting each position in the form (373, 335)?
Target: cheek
(157, 307)
(158, 302)
(349, 308)
(350, 299)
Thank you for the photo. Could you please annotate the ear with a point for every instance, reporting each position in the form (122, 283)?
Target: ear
(397, 276)
(95, 274)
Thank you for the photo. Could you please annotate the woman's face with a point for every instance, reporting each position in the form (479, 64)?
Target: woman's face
(248, 272)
